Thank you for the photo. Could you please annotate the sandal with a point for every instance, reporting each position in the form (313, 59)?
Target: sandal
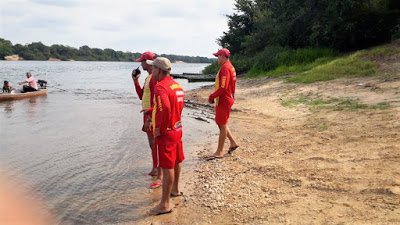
(155, 185)
(231, 149)
(212, 157)
(178, 195)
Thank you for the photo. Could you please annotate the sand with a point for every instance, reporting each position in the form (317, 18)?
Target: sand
(297, 163)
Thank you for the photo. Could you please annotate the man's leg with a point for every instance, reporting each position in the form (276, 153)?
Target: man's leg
(151, 142)
(27, 88)
(221, 140)
(168, 181)
(159, 180)
(177, 173)
(230, 137)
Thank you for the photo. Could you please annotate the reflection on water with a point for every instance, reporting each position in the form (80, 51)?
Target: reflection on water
(81, 146)
(8, 107)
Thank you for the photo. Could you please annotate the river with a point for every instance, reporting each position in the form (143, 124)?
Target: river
(81, 147)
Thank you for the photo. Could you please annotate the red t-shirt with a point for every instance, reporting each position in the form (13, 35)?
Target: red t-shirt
(225, 84)
(167, 109)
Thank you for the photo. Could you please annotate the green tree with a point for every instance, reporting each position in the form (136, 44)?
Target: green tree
(19, 48)
(340, 24)
(240, 25)
(5, 48)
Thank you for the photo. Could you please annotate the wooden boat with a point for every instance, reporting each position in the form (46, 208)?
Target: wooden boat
(19, 95)
(195, 77)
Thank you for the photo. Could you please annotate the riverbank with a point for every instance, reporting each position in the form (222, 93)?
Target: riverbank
(322, 153)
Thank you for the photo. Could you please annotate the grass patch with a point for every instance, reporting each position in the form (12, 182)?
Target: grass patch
(297, 68)
(342, 67)
(295, 101)
(352, 105)
(275, 61)
(318, 123)
(323, 126)
(334, 104)
(379, 51)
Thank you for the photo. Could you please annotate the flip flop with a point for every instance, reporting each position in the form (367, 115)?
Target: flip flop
(231, 149)
(155, 185)
(213, 157)
(154, 212)
(178, 195)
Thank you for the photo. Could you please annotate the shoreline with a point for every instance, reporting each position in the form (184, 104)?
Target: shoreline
(298, 163)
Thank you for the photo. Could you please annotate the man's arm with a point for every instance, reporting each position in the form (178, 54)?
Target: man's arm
(163, 111)
(138, 89)
(224, 79)
(23, 82)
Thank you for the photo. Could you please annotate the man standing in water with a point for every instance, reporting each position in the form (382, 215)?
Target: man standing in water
(224, 96)
(167, 126)
(32, 85)
(146, 95)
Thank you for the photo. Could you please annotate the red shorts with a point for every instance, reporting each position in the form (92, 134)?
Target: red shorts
(167, 153)
(149, 133)
(222, 114)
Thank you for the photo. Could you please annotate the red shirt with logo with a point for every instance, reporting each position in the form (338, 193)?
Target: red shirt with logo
(167, 110)
(225, 84)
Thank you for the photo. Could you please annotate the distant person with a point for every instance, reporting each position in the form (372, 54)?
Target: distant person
(32, 85)
(224, 96)
(167, 126)
(7, 87)
(146, 94)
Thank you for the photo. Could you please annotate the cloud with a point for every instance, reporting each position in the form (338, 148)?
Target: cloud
(58, 3)
(166, 27)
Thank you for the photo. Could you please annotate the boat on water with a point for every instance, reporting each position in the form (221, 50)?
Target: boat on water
(19, 95)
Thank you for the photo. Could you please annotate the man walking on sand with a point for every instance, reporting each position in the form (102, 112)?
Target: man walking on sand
(167, 126)
(146, 95)
(224, 96)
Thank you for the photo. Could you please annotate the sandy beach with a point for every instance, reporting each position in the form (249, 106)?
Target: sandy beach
(322, 153)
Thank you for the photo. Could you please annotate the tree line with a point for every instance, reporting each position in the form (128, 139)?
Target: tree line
(39, 51)
(264, 31)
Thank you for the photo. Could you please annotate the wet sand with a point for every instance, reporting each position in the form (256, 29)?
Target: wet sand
(298, 162)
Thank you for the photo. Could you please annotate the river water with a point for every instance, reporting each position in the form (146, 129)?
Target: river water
(81, 147)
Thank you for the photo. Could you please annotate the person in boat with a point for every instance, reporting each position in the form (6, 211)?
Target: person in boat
(223, 97)
(167, 127)
(32, 85)
(7, 87)
(146, 94)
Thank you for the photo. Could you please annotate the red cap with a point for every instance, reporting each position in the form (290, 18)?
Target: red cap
(146, 56)
(224, 52)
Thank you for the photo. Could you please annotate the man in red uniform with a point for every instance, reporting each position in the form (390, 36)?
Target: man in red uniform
(224, 96)
(167, 126)
(146, 94)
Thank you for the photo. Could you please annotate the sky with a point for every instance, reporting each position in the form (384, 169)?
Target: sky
(180, 27)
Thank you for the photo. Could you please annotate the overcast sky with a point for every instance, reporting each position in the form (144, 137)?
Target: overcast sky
(182, 27)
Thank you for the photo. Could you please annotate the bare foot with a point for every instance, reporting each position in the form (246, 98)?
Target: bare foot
(153, 173)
